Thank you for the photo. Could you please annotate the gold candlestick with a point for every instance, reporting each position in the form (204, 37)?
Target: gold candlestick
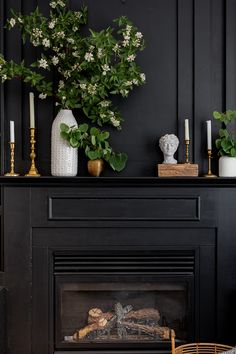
(33, 172)
(209, 173)
(187, 143)
(12, 172)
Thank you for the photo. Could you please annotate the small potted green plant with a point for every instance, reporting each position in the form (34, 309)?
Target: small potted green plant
(94, 143)
(226, 144)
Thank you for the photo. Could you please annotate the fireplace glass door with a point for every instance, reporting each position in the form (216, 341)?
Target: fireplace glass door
(121, 309)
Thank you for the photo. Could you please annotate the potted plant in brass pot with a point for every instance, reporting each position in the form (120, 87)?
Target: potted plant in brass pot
(226, 144)
(88, 69)
(96, 147)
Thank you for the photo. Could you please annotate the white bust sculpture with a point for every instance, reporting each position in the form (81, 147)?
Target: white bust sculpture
(169, 144)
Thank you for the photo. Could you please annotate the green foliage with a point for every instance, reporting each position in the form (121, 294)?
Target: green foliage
(226, 143)
(89, 69)
(95, 144)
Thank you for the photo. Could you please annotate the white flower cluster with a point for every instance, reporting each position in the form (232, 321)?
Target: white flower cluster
(67, 74)
(37, 33)
(131, 58)
(76, 54)
(42, 96)
(61, 85)
(70, 40)
(52, 24)
(104, 103)
(78, 14)
(54, 4)
(143, 77)
(137, 41)
(124, 93)
(83, 86)
(105, 69)
(43, 63)
(92, 89)
(100, 53)
(4, 78)
(116, 48)
(46, 43)
(126, 36)
(114, 121)
(12, 22)
(89, 57)
(55, 60)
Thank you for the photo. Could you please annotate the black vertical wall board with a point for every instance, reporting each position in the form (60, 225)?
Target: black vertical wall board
(2, 320)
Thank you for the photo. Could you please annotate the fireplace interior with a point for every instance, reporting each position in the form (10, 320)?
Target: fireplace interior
(119, 303)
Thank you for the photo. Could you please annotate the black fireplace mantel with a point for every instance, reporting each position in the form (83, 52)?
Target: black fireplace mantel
(118, 181)
(43, 216)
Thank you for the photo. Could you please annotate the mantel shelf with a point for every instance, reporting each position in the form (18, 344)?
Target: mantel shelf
(118, 181)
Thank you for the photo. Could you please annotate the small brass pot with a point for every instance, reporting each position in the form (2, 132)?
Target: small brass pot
(95, 167)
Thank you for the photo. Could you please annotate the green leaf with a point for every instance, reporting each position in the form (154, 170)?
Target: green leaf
(217, 115)
(65, 136)
(83, 128)
(74, 143)
(92, 155)
(93, 140)
(118, 161)
(226, 145)
(104, 135)
(233, 152)
(94, 131)
(223, 133)
(64, 127)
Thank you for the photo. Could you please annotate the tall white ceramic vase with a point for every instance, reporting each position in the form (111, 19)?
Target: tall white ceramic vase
(64, 158)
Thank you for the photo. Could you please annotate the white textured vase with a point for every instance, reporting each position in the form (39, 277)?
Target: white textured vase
(227, 166)
(64, 158)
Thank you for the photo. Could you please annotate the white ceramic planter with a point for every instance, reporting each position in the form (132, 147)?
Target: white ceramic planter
(64, 158)
(227, 166)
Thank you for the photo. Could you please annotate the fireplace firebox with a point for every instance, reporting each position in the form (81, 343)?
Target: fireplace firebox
(127, 299)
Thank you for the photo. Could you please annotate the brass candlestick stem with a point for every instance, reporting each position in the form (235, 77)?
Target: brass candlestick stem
(209, 173)
(12, 151)
(33, 172)
(187, 143)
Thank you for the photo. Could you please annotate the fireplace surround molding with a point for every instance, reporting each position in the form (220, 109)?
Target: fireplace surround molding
(79, 233)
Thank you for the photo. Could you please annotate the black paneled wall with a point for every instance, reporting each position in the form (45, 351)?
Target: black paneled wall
(189, 61)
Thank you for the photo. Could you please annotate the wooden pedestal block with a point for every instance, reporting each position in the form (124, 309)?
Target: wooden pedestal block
(178, 170)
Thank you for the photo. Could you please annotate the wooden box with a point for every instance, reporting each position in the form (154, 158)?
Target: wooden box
(177, 170)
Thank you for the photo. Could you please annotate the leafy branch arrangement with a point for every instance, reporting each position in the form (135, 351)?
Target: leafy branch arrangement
(89, 70)
(226, 143)
(95, 144)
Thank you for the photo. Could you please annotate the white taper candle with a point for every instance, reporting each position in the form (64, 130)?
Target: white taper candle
(209, 137)
(12, 131)
(32, 114)
(186, 129)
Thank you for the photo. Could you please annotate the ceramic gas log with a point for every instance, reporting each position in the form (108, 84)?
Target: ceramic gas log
(123, 323)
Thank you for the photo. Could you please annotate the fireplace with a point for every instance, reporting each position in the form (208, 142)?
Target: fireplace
(128, 299)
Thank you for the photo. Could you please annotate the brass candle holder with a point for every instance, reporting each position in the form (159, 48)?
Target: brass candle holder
(33, 172)
(187, 143)
(12, 173)
(209, 173)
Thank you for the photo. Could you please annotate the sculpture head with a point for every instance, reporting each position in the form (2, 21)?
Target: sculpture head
(169, 144)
